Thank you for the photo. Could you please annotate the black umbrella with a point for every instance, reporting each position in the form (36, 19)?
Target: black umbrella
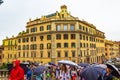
(84, 64)
(91, 73)
(1, 2)
(39, 70)
(51, 63)
(115, 71)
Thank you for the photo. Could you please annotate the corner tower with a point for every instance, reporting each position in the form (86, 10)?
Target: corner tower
(64, 13)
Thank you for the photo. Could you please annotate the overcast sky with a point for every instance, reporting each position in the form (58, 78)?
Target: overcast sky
(104, 14)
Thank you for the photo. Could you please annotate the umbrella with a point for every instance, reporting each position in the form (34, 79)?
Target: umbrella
(84, 64)
(115, 71)
(46, 65)
(51, 63)
(91, 73)
(102, 66)
(67, 62)
(1, 2)
(39, 70)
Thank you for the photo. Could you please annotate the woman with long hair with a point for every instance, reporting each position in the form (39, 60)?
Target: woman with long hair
(64, 74)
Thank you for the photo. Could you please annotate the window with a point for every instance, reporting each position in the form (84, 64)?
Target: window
(62, 15)
(87, 38)
(31, 39)
(31, 47)
(33, 29)
(73, 54)
(27, 30)
(72, 27)
(48, 37)
(58, 54)
(48, 27)
(65, 45)
(80, 27)
(83, 28)
(41, 38)
(84, 45)
(8, 55)
(34, 46)
(66, 54)
(65, 27)
(58, 36)
(41, 46)
(34, 54)
(80, 36)
(41, 54)
(19, 47)
(35, 38)
(48, 46)
(86, 29)
(19, 40)
(27, 47)
(87, 45)
(19, 54)
(58, 45)
(65, 36)
(90, 38)
(31, 54)
(72, 36)
(49, 54)
(23, 47)
(23, 40)
(27, 54)
(3, 56)
(23, 54)
(27, 39)
(80, 44)
(41, 28)
(83, 37)
(8, 42)
(73, 45)
(58, 28)
(80, 53)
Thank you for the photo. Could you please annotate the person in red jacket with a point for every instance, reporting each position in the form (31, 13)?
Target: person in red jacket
(17, 73)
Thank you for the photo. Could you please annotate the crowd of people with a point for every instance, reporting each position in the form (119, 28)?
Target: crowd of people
(56, 72)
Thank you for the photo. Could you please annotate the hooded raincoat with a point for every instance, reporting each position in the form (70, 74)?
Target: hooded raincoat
(17, 73)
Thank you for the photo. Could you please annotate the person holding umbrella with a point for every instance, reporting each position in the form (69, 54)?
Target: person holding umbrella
(73, 73)
(64, 74)
(111, 72)
(38, 72)
(108, 75)
(29, 73)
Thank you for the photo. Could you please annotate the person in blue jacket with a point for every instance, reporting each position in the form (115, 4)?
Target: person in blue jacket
(29, 74)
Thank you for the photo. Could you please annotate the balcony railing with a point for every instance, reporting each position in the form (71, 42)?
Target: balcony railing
(4, 74)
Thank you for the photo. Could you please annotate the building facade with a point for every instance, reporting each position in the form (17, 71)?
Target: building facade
(118, 42)
(56, 37)
(111, 50)
(1, 49)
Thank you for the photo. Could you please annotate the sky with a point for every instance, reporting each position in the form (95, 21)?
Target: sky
(104, 14)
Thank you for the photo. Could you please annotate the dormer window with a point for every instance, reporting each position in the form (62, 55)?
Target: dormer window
(62, 15)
